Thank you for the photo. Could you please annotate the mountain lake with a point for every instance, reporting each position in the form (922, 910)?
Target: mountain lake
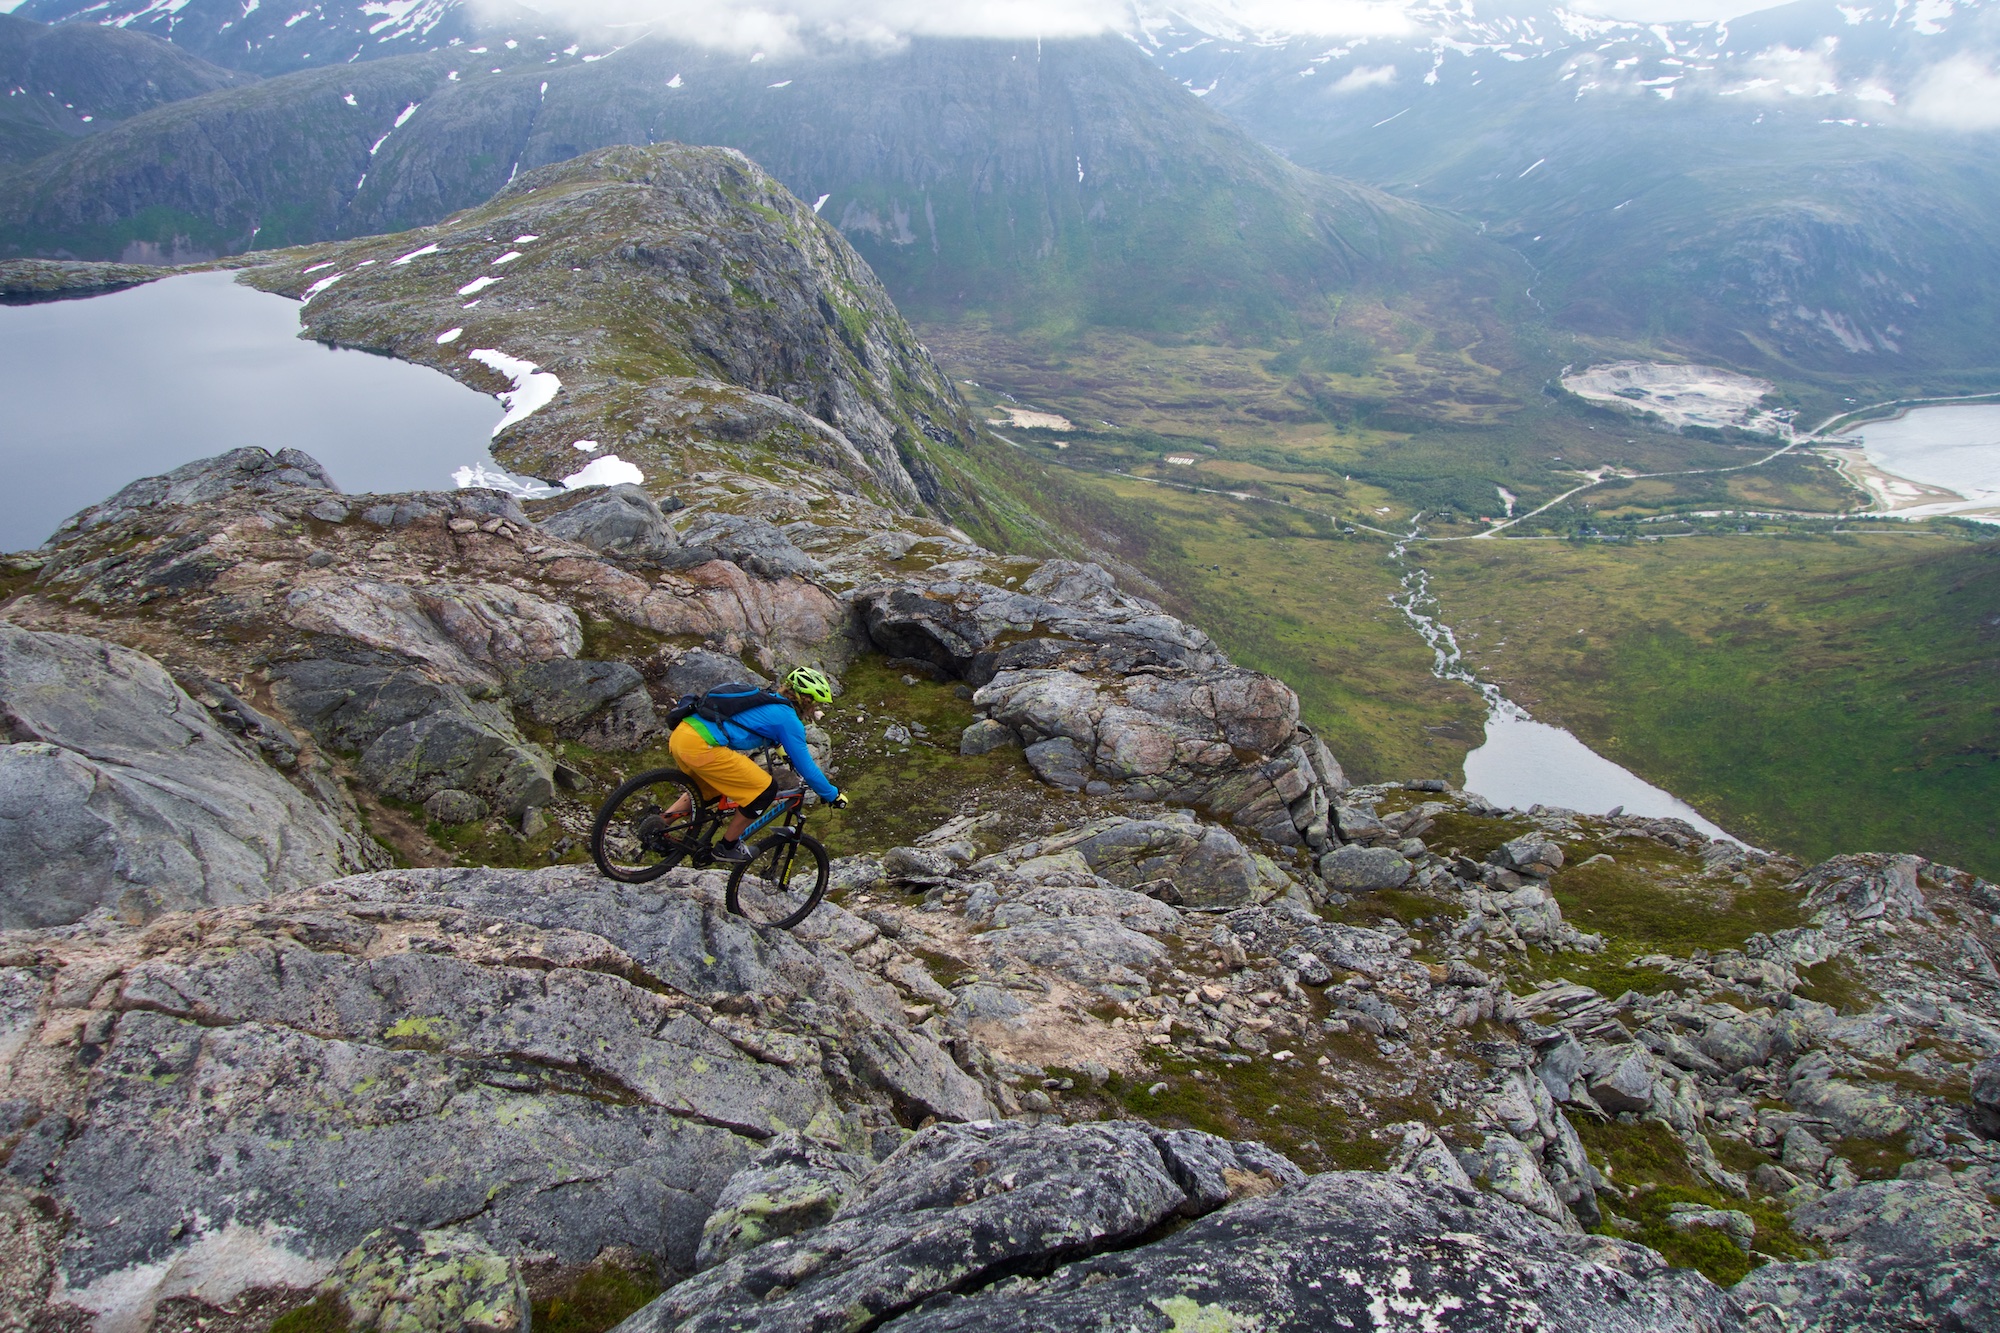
(1526, 763)
(103, 390)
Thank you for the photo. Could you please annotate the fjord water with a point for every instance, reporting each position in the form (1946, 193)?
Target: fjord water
(101, 391)
(1957, 447)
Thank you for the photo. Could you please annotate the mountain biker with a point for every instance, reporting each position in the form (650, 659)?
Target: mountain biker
(713, 754)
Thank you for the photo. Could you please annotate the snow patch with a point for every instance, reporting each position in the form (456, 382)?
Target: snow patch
(448, 336)
(526, 237)
(320, 286)
(586, 446)
(820, 202)
(610, 470)
(349, 99)
(507, 258)
(495, 479)
(415, 254)
(478, 284)
(404, 118)
(534, 388)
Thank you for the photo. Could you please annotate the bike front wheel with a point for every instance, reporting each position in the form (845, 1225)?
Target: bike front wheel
(639, 834)
(782, 882)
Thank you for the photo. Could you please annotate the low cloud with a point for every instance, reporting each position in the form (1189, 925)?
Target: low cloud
(775, 26)
(1368, 76)
(1961, 93)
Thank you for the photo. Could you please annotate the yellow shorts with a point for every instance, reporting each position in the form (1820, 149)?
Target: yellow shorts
(717, 769)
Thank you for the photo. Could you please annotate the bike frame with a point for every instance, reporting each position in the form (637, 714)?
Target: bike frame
(791, 802)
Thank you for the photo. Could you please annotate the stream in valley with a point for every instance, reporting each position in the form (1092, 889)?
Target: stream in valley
(1524, 763)
(107, 389)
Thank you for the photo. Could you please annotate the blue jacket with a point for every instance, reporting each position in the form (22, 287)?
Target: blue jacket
(770, 724)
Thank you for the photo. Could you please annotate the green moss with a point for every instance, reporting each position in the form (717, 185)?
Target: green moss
(601, 1297)
(1836, 982)
(901, 791)
(323, 1314)
(1873, 1159)
(1650, 1165)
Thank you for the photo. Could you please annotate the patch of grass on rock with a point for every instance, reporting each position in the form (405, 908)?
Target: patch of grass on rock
(1649, 1163)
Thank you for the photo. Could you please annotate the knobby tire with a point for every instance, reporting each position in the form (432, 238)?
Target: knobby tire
(778, 857)
(615, 824)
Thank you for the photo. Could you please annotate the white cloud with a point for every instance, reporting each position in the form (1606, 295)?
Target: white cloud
(1318, 18)
(1671, 11)
(1961, 93)
(1368, 76)
(779, 25)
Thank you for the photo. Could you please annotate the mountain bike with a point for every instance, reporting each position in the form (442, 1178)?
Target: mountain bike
(640, 835)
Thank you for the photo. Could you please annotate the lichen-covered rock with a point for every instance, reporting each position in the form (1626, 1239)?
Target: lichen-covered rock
(984, 737)
(750, 542)
(604, 704)
(452, 806)
(415, 735)
(1911, 1218)
(1691, 1217)
(248, 469)
(401, 1281)
(621, 521)
(1986, 1097)
(1209, 866)
(1956, 1290)
(1856, 1110)
(1532, 854)
(960, 1205)
(793, 1185)
(1354, 1250)
(118, 790)
(236, 1097)
(1358, 869)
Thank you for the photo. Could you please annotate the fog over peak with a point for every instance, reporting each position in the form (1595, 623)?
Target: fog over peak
(775, 26)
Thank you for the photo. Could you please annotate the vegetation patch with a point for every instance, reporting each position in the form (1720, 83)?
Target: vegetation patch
(1649, 1167)
(600, 1297)
(1813, 696)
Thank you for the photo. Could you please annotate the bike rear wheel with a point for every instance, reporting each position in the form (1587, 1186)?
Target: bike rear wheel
(782, 882)
(635, 839)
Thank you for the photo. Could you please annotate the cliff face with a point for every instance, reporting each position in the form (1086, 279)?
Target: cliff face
(63, 83)
(279, 41)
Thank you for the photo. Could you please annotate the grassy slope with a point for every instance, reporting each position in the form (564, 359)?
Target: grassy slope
(1816, 695)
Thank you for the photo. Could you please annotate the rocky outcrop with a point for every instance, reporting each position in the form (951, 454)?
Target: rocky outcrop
(248, 470)
(546, 1062)
(413, 735)
(119, 791)
(1358, 1250)
(620, 521)
(1109, 694)
(650, 252)
(961, 1205)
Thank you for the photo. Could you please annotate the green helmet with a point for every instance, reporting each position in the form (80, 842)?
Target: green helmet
(809, 683)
